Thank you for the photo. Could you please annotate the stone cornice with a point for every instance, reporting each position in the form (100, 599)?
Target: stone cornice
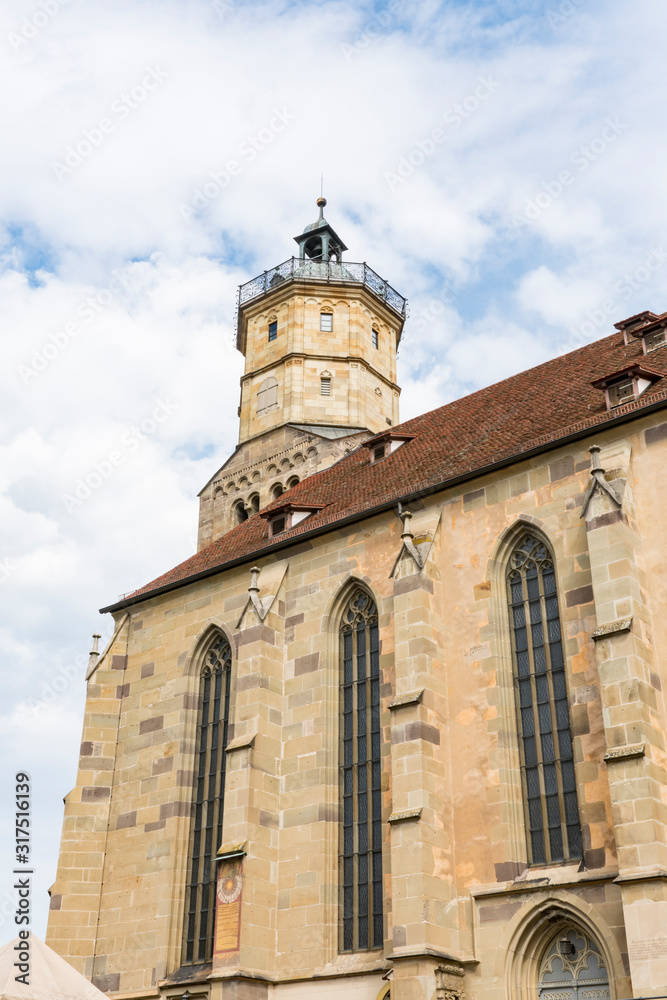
(645, 875)
(353, 359)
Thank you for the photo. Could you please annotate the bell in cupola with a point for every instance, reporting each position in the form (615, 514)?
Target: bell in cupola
(318, 241)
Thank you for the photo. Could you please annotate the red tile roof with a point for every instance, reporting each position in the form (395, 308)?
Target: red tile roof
(528, 412)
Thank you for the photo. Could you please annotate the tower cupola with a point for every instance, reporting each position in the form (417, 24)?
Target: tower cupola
(319, 241)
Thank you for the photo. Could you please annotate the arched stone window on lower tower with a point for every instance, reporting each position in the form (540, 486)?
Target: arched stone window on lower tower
(573, 969)
(253, 503)
(360, 850)
(209, 796)
(240, 512)
(551, 808)
(276, 491)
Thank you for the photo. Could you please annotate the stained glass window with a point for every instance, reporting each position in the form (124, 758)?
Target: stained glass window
(360, 859)
(547, 764)
(209, 796)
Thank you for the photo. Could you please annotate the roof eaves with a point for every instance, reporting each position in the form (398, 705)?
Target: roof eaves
(630, 412)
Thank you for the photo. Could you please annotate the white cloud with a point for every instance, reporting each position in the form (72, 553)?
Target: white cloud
(268, 86)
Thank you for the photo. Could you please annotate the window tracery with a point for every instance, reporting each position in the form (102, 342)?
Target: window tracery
(573, 969)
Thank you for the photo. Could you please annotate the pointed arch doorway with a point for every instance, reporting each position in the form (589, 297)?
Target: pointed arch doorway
(573, 969)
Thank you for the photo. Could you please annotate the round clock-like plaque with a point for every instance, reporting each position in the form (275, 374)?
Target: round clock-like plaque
(229, 888)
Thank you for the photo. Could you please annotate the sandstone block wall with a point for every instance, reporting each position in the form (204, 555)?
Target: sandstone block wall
(461, 908)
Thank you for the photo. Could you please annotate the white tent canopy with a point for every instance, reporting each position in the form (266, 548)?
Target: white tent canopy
(50, 978)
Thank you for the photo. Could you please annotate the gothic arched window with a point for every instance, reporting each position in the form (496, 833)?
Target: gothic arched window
(360, 857)
(573, 968)
(209, 797)
(547, 764)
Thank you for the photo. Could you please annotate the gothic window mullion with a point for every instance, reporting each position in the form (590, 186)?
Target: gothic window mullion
(362, 790)
(558, 850)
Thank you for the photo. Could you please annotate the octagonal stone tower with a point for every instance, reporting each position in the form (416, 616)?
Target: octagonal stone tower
(319, 336)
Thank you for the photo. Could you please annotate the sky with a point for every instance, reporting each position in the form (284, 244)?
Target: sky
(499, 163)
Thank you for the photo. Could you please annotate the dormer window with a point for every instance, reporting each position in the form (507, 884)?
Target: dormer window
(647, 327)
(652, 341)
(326, 322)
(375, 336)
(621, 392)
(273, 330)
(384, 444)
(626, 385)
(287, 516)
(633, 325)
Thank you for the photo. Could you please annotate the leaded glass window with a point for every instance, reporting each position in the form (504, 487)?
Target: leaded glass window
(209, 792)
(360, 859)
(547, 764)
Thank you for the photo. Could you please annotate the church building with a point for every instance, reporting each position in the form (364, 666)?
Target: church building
(397, 729)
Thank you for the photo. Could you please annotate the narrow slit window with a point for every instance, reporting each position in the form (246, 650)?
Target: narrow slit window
(209, 799)
(273, 330)
(360, 851)
(543, 716)
(326, 322)
(376, 339)
(325, 386)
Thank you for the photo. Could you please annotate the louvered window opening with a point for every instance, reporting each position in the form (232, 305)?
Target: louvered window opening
(547, 764)
(206, 827)
(360, 860)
